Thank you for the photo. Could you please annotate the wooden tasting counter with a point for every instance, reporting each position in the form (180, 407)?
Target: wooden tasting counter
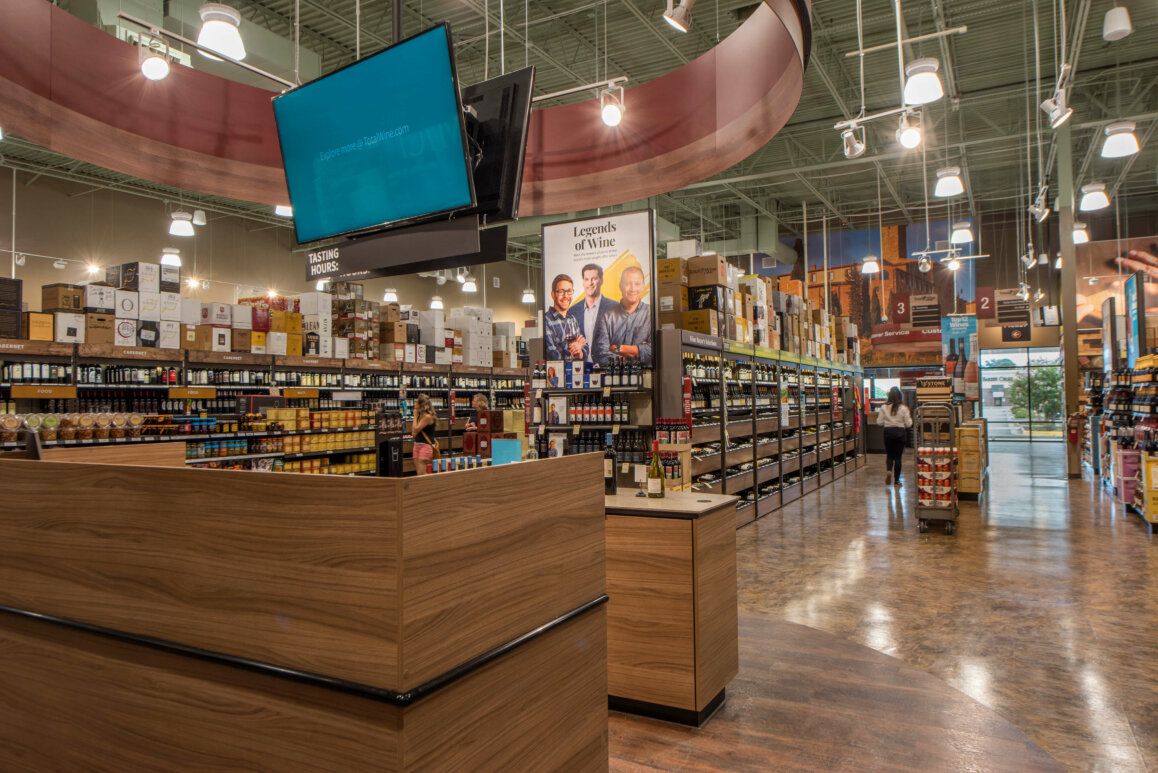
(672, 640)
(165, 619)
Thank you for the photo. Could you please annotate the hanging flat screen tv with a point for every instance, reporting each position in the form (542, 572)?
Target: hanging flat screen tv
(498, 113)
(378, 144)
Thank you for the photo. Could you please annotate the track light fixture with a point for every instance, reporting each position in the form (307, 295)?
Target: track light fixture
(60, 265)
(853, 141)
(1120, 139)
(909, 132)
(1081, 235)
(1094, 197)
(922, 84)
(1023, 291)
(1027, 259)
(949, 182)
(1040, 208)
(1057, 109)
(192, 283)
(528, 296)
(871, 265)
(1057, 263)
(924, 266)
(1038, 295)
(390, 296)
(219, 31)
(153, 56)
(181, 223)
(679, 16)
(953, 263)
(612, 106)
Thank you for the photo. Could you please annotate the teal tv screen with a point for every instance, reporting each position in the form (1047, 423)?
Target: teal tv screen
(378, 143)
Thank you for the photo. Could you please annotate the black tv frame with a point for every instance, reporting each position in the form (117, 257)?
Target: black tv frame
(489, 99)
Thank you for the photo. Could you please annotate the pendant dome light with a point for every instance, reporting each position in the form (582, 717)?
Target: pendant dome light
(528, 295)
(219, 31)
(181, 223)
(962, 233)
(1081, 235)
(922, 84)
(949, 182)
(283, 210)
(1094, 197)
(390, 296)
(1120, 140)
(468, 284)
(171, 256)
(1116, 24)
(436, 302)
(871, 265)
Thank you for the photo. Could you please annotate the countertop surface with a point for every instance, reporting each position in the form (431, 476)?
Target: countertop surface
(675, 504)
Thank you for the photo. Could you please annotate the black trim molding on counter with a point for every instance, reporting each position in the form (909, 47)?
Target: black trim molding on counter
(318, 680)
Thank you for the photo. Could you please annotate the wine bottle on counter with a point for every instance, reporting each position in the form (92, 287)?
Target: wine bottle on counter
(610, 463)
(655, 476)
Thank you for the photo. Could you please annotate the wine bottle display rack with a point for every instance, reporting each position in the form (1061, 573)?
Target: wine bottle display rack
(767, 426)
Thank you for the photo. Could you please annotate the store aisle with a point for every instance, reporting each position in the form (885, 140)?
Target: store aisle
(1040, 608)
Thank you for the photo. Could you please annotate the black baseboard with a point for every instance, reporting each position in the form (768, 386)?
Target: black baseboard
(667, 713)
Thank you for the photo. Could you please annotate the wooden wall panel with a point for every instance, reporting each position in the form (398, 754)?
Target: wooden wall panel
(651, 615)
(505, 549)
(717, 645)
(295, 570)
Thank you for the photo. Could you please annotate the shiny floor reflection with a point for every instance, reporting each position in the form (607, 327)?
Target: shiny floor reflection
(1042, 607)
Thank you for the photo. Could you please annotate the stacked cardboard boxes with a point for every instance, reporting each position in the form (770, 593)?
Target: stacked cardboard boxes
(11, 308)
(972, 456)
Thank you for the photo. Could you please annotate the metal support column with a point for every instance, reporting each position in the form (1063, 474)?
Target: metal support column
(396, 20)
(1069, 287)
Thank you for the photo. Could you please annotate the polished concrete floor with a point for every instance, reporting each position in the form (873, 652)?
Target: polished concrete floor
(1042, 609)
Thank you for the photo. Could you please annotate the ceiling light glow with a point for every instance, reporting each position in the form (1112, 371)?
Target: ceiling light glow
(922, 84)
(1094, 197)
(219, 31)
(1120, 140)
(949, 182)
(908, 133)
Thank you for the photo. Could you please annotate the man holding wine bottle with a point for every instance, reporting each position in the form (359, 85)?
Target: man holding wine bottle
(626, 329)
(562, 339)
(594, 305)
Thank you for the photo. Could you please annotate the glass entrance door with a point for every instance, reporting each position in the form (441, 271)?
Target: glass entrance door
(1022, 394)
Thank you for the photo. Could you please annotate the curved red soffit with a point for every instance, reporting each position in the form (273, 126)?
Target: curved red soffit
(76, 90)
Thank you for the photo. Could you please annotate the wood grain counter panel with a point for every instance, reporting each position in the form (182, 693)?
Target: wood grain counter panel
(717, 646)
(76, 701)
(293, 570)
(506, 548)
(651, 615)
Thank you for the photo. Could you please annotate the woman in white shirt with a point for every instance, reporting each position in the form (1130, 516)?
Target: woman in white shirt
(894, 416)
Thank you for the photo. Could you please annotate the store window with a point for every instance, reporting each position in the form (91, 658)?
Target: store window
(1022, 394)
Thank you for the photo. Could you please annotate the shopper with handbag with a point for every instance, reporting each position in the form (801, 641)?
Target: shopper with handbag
(423, 429)
(894, 416)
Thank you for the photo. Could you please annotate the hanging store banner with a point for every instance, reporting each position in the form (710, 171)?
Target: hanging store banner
(597, 282)
(960, 354)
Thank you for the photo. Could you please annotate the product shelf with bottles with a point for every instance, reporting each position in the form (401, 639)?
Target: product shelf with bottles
(174, 388)
(786, 423)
